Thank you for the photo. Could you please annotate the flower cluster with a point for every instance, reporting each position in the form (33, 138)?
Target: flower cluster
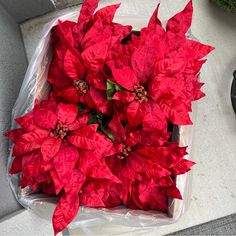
(103, 137)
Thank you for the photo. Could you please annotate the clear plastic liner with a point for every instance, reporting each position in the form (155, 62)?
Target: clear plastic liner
(34, 86)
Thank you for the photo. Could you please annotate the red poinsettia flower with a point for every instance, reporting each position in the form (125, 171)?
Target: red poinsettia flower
(93, 28)
(164, 70)
(54, 146)
(80, 54)
(50, 125)
(69, 68)
(141, 107)
(75, 82)
(136, 163)
(100, 193)
(87, 88)
(87, 192)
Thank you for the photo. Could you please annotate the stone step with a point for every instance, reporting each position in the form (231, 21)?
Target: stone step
(66, 3)
(26, 9)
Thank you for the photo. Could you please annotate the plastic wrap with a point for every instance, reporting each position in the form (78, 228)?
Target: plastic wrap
(35, 86)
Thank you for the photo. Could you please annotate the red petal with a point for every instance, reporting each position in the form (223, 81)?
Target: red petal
(182, 167)
(125, 77)
(135, 113)
(106, 14)
(147, 169)
(80, 121)
(67, 113)
(65, 161)
(95, 193)
(95, 34)
(120, 32)
(86, 13)
(36, 180)
(57, 183)
(193, 66)
(174, 192)
(57, 77)
(132, 138)
(181, 22)
(133, 201)
(29, 142)
(65, 34)
(68, 205)
(97, 99)
(69, 95)
(175, 111)
(27, 121)
(163, 86)
(169, 66)
(45, 118)
(50, 147)
(93, 165)
(73, 67)
(154, 119)
(154, 21)
(65, 211)
(116, 148)
(151, 48)
(31, 164)
(87, 138)
(48, 188)
(124, 96)
(155, 138)
(72, 186)
(50, 105)
(193, 88)
(167, 156)
(15, 134)
(152, 197)
(96, 80)
(68, 35)
(16, 165)
(91, 127)
(76, 124)
(201, 50)
(95, 55)
(117, 129)
(77, 181)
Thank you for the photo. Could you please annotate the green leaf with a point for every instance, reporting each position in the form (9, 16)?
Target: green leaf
(81, 107)
(112, 88)
(93, 120)
(109, 135)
